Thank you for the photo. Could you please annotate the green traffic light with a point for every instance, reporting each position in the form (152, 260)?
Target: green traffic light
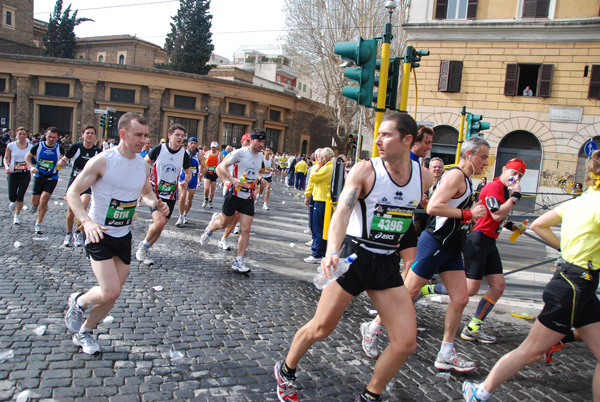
(475, 125)
(364, 54)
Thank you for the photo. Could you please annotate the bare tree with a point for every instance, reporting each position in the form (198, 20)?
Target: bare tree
(314, 27)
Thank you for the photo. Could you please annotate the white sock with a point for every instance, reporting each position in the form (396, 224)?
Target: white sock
(222, 239)
(374, 327)
(83, 330)
(447, 348)
(482, 393)
(79, 303)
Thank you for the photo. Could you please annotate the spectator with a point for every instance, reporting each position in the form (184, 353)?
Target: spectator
(527, 91)
(301, 168)
(480, 186)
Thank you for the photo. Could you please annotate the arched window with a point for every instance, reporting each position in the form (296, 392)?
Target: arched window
(101, 59)
(122, 59)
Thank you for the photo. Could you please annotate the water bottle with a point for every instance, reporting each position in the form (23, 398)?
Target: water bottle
(320, 280)
(515, 234)
(242, 181)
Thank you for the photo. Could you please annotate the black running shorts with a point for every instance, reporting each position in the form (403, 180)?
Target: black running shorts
(481, 256)
(170, 203)
(109, 247)
(211, 176)
(231, 204)
(42, 185)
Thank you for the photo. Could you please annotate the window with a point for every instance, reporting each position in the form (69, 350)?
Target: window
(8, 20)
(2, 84)
(450, 76)
(274, 115)
(56, 89)
(237, 109)
(537, 76)
(594, 91)
(101, 59)
(122, 95)
(536, 8)
(232, 134)
(8, 17)
(456, 9)
(272, 140)
(191, 125)
(121, 59)
(184, 102)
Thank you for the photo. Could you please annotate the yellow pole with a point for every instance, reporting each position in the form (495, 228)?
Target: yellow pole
(461, 134)
(381, 94)
(327, 220)
(405, 83)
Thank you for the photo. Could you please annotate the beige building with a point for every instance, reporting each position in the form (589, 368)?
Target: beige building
(483, 56)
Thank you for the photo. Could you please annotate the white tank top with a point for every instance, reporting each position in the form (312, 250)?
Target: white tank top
(115, 194)
(245, 162)
(17, 157)
(165, 172)
(380, 220)
(268, 167)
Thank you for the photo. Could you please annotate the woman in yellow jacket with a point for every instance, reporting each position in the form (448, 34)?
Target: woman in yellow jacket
(319, 184)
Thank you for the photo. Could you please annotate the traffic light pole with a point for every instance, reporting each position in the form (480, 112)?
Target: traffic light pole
(383, 77)
(461, 133)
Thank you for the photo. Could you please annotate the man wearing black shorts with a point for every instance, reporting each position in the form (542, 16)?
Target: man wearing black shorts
(108, 225)
(247, 165)
(480, 252)
(48, 162)
(167, 160)
(372, 217)
(82, 152)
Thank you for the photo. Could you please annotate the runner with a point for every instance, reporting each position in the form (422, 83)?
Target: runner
(17, 174)
(373, 228)
(45, 173)
(268, 176)
(197, 169)
(82, 152)
(213, 158)
(168, 158)
(570, 299)
(480, 252)
(283, 165)
(108, 225)
(247, 163)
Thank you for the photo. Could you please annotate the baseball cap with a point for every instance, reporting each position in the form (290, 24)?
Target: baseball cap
(214, 144)
(193, 139)
(246, 137)
(163, 141)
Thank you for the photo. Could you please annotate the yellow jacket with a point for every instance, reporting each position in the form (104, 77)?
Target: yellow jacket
(319, 183)
(301, 167)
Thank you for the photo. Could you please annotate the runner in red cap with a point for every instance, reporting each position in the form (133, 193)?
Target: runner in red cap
(212, 157)
(480, 252)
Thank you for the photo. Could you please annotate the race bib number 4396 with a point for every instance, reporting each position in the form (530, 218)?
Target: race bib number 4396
(389, 224)
(120, 213)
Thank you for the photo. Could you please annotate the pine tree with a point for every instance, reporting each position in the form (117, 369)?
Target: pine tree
(59, 40)
(189, 44)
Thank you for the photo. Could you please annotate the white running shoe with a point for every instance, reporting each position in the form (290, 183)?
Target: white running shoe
(312, 260)
(142, 252)
(369, 340)
(68, 242)
(179, 221)
(11, 206)
(78, 239)
(453, 361)
(240, 266)
(265, 206)
(185, 221)
(236, 230)
(86, 342)
(210, 204)
(204, 203)
(38, 228)
(16, 220)
(224, 244)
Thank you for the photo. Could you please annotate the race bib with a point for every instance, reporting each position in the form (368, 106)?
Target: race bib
(165, 188)
(120, 213)
(246, 187)
(19, 167)
(212, 169)
(389, 224)
(194, 171)
(46, 165)
(267, 170)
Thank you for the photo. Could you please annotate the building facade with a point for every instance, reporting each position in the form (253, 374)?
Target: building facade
(483, 56)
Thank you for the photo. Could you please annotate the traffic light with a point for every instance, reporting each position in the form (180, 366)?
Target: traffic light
(353, 140)
(364, 54)
(103, 121)
(474, 125)
(391, 93)
(413, 56)
(111, 121)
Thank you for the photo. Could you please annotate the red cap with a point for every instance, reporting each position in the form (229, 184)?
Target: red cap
(246, 137)
(516, 164)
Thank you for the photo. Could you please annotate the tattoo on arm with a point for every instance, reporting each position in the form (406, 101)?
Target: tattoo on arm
(351, 198)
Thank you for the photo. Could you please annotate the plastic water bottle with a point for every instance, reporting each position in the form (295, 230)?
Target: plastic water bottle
(321, 280)
(515, 234)
(242, 181)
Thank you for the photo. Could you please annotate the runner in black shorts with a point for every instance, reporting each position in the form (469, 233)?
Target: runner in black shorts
(17, 173)
(570, 299)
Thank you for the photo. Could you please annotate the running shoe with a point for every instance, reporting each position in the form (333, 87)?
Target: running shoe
(307, 231)
(453, 361)
(286, 387)
(308, 243)
(74, 315)
(239, 266)
(179, 221)
(265, 206)
(86, 342)
(204, 203)
(369, 340)
(142, 252)
(224, 244)
(205, 238)
(210, 204)
(185, 221)
(78, 239)
(550, 352)
(478, 335)
(470, 392)
(38, 228)
(312, 260)
(33, 209)
(236, 230)
(68, 242)
(16, 220)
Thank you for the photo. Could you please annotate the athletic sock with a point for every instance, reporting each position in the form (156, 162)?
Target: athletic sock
(367, 395)
(482, 393)
(475, 324)
(287, 371)
(79, 303)
(83, 330)
(486, 304)
(146, 243)
(374, 327)
(447, 348)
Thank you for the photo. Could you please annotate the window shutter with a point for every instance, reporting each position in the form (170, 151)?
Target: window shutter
(472, 10)
(545, 80)
(510, 83)
(536, 8)
(444, 76)
(456, 68)
(529, 8)
(441, 8)
(594, 91)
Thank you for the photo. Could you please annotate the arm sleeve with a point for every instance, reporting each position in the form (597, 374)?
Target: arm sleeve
(71, 151)
(34, 149)
(154, 152)
(187, 161)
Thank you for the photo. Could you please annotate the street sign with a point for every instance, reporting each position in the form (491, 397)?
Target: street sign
(111, 110)
(590, 147)
(99, 111)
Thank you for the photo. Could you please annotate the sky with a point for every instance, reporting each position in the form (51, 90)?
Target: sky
(235, 22)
